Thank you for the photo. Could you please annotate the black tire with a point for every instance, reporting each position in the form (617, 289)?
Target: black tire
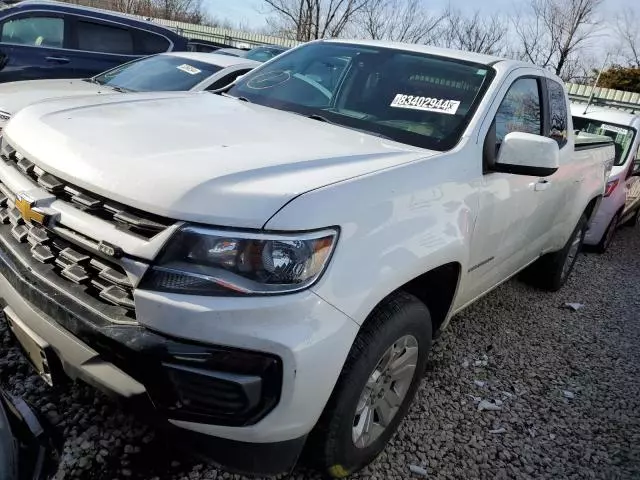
(549, 272)
(331, 447)
(634, 220)
(608, 235)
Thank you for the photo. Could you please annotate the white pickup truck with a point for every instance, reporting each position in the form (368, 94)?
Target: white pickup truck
(268, 266)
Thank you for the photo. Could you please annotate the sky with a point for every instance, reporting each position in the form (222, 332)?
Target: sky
(236, 11)
(253, 12)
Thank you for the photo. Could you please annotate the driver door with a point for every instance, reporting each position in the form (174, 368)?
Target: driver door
(509, 219)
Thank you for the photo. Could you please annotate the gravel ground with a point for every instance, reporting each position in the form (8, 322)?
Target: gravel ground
(569, 383)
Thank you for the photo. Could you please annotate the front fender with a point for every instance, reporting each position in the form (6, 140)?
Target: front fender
(394, 227)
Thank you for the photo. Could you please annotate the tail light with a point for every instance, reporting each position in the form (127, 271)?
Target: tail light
(611, 186)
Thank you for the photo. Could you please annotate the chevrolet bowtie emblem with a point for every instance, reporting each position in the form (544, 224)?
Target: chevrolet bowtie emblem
(25, 206)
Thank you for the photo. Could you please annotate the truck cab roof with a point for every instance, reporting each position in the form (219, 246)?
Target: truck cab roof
(608, 114)
(472, 57)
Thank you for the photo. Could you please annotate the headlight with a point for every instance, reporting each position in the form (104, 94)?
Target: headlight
(199, 261)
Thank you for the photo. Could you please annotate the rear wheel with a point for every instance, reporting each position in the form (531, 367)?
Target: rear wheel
(552, 270)
(376, 387)
(608, 235)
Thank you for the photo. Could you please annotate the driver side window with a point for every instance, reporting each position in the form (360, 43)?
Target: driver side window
(520, 110)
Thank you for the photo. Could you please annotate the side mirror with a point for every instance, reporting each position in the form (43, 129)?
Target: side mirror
(528, 154)
(635, 171)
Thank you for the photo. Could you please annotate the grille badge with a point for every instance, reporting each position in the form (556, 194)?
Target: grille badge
(26, 208)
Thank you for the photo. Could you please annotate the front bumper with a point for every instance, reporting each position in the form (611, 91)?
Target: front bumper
(269, 363)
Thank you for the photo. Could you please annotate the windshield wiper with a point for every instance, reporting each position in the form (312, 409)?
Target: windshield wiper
(120, 89)
(114, 87)
(225, 94)
(320, 118)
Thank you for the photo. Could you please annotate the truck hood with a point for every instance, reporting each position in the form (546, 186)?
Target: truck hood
(17, 95)
(196, 156)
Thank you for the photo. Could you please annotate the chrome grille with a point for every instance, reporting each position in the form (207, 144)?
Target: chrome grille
(137, 222)
(100, 278)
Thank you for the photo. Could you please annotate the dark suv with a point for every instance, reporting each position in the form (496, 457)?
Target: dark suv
(40, 39)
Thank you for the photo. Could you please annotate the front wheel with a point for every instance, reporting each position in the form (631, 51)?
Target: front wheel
(552, 270)
(376, 387)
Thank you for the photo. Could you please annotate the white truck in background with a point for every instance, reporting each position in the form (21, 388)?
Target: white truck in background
(621, 203)
(268, 265)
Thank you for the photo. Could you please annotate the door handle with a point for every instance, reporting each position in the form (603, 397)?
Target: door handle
(57, 59)
(542, 184)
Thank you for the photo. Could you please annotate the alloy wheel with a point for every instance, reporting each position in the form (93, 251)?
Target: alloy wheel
(385, 390)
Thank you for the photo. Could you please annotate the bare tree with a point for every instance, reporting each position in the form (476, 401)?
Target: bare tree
(397, 20)
(183, 10)
(551, 33)
(306, 20)
(129, 6)
(190, 11)
(475, 33)
(628, 23)
(581, 68)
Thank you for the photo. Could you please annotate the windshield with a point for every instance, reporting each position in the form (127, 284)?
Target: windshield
(622, 136)
(158, 73)
(412, 98)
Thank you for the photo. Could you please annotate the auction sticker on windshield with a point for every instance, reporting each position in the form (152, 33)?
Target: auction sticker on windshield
(427, 104)
(189, 69)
